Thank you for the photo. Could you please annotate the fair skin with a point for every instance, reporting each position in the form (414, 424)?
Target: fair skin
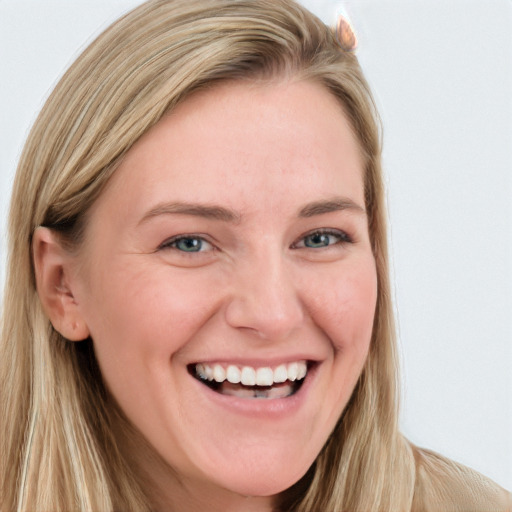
(263, 183)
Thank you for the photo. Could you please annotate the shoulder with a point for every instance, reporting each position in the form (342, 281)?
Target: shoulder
(443, 485)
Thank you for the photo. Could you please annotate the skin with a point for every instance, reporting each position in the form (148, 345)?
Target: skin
(259, 291)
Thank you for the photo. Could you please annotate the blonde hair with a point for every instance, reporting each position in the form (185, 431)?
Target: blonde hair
(58, 449)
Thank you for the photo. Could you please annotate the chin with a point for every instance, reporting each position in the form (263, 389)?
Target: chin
(262, 481)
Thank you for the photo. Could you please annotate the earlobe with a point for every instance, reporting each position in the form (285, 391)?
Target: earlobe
(52, 267)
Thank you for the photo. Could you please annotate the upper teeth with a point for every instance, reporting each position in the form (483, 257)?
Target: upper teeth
(249, 376)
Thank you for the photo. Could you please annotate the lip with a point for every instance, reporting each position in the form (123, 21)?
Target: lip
(274, 409)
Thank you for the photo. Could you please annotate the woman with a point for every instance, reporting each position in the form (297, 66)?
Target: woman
(197, 311)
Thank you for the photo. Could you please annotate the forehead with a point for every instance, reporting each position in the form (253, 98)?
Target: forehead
(240, 142)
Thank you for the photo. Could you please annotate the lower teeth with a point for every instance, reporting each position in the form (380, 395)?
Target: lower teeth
(262, 392)
(271, 392)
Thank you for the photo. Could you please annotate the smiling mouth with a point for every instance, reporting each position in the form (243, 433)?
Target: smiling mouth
(249, 382)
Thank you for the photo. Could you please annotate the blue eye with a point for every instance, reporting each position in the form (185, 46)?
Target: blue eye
(322, 239)
(318, 240)
(187, 244)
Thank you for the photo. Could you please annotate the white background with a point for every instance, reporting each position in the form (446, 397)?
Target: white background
(442, 76)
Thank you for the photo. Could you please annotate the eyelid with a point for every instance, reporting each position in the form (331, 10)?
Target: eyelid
(168, 243)
(344, 237)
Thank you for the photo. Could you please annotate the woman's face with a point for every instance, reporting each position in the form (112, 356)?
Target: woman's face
(232, 243)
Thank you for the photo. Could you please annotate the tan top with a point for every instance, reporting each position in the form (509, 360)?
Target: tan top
(446, 486)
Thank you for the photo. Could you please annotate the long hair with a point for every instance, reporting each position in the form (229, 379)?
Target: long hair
(58, 450)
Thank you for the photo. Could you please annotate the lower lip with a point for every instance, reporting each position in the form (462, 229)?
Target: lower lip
(272, 408)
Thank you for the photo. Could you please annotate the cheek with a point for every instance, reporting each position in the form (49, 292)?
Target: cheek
(344, 307)
(148, 310)
(139, 319)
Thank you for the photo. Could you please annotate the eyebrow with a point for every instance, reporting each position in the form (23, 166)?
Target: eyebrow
(332, 205)
(195, 209)
(221, 213)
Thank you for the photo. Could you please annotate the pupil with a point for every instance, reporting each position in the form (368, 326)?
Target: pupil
(189, 244)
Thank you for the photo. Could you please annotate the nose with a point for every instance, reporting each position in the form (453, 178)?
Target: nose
(264, 300)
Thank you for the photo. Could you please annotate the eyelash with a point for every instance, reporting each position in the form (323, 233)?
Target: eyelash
(171, 243)
(342, 238)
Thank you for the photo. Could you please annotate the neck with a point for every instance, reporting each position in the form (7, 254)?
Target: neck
(197, 497)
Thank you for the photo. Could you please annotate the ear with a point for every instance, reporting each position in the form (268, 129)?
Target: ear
(52, 265)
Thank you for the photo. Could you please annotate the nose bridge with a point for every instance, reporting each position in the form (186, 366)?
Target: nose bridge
(264, 298)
